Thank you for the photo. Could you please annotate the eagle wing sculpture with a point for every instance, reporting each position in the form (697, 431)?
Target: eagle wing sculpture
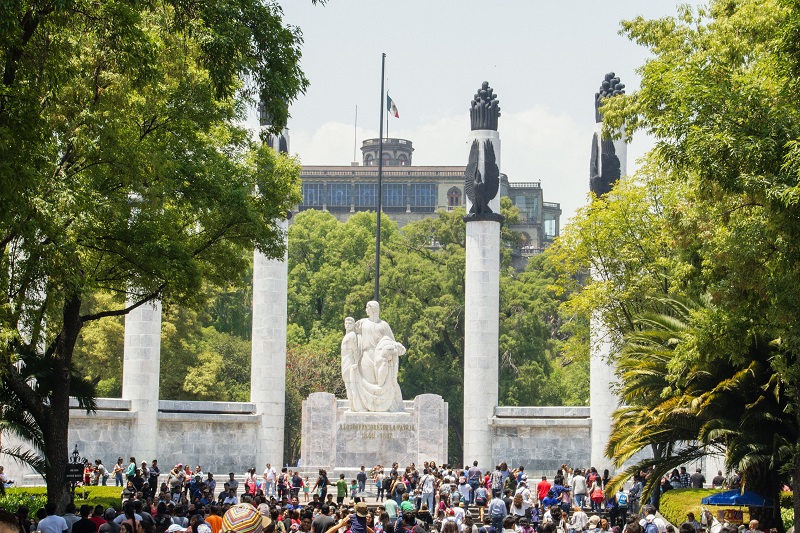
(471, 173)
(491, 172)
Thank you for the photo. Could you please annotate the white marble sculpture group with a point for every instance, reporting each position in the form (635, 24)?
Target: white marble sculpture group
(370, 359)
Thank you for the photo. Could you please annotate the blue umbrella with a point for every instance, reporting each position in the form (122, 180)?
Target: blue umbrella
(733, 497)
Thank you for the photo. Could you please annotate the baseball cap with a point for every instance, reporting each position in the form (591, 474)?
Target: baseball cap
(264, 511)
(203, 528)
(242, 518)
(174, 528)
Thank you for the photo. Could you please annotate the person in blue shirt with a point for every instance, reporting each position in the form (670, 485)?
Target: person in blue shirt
(550, 500)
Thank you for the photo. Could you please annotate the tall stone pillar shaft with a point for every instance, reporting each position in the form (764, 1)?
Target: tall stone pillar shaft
(481, 339)
(609, 163)
(482, 280)
(140, 376)
(268, 363)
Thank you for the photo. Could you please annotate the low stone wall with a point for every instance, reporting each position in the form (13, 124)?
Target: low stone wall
(337, 439)
(219, 436)
(541, 438)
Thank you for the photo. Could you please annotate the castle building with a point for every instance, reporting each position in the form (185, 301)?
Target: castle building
(411, 193)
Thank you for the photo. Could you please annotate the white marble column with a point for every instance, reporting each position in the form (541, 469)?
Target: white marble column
(268, 362)
(481, 324)
(602, 401)
(140, 376)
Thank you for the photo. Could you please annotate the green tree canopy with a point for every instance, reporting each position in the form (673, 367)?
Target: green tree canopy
(719, 96)
(124, 168)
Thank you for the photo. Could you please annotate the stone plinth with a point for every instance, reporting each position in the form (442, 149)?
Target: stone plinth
(333, 437)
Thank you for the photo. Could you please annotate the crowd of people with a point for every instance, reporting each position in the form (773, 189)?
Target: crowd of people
(403, 500)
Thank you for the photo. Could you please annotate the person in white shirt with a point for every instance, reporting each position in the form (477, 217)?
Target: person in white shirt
(579, 488)
(269, 480)
(519, 506)
(52, 523)
(428, 485)
(458, 514)
(579, 519)
(523, 489)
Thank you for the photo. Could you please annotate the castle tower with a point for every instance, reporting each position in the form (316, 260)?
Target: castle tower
(396, 152)
(608, 164)
(482, 279)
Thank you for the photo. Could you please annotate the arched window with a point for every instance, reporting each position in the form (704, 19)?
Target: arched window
(453, 197)
(368, 161)
(403, 160)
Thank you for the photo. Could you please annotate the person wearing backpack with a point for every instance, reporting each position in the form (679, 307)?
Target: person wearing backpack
(621, 514)
(162, 520)
(652, 523)
(428, 485)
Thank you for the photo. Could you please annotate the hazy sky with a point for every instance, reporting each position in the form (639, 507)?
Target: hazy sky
(545, 60)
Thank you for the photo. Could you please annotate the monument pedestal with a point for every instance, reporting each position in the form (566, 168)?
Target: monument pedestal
(333, 437)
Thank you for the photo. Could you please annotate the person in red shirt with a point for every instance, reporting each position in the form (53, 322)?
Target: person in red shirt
(542, 488)
(97, 516)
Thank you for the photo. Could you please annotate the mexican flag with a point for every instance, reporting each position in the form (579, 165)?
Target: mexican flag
(390, 107)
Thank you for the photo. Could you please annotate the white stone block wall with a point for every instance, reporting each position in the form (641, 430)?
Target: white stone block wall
(541, 438)
(140, 376)
(268, 363)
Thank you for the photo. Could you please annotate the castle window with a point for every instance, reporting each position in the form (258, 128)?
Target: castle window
(366, 195)
(394, 195)
(423, 195)
(338, 194)
(312, 194)
(453, 197)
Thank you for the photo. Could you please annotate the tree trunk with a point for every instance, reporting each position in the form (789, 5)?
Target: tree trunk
(56, 428)
(763, 481)
(655, 493)
(796, 485)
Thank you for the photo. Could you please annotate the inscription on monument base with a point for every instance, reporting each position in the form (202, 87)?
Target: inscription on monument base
(336, 438)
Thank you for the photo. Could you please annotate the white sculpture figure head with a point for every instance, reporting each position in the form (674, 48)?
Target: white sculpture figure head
(349, 324)
(373, 311)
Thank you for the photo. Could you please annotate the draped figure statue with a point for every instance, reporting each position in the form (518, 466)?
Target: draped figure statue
(370, 360)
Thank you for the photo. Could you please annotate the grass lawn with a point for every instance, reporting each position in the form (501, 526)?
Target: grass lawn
(36, 497)
(676, 503)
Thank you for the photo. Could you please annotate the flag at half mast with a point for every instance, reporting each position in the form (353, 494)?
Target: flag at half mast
(390, 107)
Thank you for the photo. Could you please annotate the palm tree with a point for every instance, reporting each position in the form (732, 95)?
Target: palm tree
(685, 400)
(18, 423)
(654, 415)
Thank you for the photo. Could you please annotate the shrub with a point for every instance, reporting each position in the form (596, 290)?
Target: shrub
(12, 500)
(786, 500)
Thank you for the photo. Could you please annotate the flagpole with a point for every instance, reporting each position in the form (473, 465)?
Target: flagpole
(355, 135)
(380, 178)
